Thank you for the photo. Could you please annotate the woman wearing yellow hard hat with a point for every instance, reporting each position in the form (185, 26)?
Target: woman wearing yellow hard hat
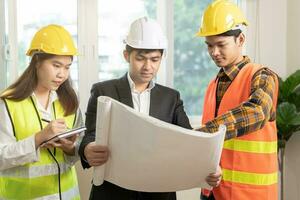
(38, 106)
(243, 97)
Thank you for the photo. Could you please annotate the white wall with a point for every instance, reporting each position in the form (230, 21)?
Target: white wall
(293, 35)
(273, 22)
(266, 34)
(273, 36)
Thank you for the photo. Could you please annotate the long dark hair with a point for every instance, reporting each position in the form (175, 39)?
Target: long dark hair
(27, 82)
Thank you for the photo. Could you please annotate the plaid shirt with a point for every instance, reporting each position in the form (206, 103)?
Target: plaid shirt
(250, 115)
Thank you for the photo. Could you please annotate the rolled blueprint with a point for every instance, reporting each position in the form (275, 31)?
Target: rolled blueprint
(102, 131)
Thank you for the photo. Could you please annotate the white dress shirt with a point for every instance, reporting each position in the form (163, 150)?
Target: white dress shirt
(141, 100)
(14, 153)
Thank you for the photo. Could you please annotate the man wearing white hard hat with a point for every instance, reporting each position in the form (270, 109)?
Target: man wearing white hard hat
(145, 46)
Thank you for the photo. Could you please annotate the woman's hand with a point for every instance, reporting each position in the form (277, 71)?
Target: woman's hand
(66, 144)
(55, 127)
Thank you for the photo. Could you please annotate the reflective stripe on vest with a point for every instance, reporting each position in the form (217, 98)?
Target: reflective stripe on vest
(249, 162)
(72, 194)
(251, 146)
(38, 187)
(249, 178)
(38, 179)
(26, 171)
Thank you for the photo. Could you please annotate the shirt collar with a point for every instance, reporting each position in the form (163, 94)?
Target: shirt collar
(52, 97)
(232, 71)
(132, 84)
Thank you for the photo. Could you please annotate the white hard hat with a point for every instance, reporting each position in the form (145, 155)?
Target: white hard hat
(146, 33)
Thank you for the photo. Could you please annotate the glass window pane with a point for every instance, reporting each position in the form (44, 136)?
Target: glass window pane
(113, 25)
(31, 18)
(193, 67)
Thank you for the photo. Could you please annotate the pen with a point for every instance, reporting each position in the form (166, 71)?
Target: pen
(46, 120)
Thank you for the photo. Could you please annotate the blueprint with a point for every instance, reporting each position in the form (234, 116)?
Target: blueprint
(147, 154)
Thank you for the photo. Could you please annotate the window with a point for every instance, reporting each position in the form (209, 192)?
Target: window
(100, 27)
(113, 24)
(193, 67)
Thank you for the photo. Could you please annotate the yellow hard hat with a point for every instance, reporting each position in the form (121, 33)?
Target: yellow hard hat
(52, 39)
(219, 17)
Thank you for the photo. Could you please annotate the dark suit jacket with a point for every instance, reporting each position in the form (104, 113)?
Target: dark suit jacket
(165, 104)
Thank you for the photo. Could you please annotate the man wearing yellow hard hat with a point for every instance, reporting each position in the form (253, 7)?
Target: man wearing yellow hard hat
(242, 96)
(39, 105)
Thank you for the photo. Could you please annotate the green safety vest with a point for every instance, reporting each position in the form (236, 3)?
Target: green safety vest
(37, 180)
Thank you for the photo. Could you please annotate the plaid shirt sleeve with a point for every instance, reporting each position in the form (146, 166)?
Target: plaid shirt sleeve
(252, 114)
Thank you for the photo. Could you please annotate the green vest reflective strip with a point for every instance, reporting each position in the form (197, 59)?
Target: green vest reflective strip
(249, 178)
(38, 179)
(39, 187)
(26, 171)
(250, 146)
(65, 195)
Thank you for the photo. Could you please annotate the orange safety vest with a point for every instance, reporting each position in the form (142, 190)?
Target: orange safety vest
(249, 162)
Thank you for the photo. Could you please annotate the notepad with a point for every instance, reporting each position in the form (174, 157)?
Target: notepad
(66, 134)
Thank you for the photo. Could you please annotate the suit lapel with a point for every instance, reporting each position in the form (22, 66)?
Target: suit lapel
(124, 91)
(154, 102)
